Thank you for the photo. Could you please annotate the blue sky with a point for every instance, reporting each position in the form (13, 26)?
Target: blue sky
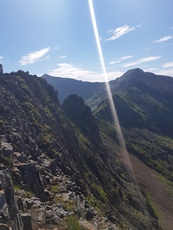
(56, 37)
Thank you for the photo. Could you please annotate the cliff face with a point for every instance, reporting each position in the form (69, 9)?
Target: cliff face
(59, 170)
(81, 115)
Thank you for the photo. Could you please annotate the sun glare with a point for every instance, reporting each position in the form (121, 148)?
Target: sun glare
(124, 152)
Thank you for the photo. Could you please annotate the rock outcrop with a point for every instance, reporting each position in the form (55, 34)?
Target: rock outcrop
(80, 114)
(10, 216)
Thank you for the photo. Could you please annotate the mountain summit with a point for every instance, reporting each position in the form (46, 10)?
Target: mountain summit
(138, 76)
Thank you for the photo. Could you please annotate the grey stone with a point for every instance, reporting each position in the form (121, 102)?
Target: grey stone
(56, 220)
(10, 208)
(26, 218)
(7, 150)
(19, 202)
(2, 199)
(90, 214)
(29, 203)
(32, 177)
(61, 213)
(38, 215)
(49, 214)
(20, 157)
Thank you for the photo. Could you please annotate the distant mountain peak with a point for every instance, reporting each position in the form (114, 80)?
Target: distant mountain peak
(133, 73)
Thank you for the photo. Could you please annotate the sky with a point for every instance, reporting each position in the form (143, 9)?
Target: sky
(56, 37)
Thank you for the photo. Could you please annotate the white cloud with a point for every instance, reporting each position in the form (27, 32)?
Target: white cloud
(126, 57)
(168, 65)
(62, 57)
(114, 62)
(166, 72)
(150, 69)
(120, 31)
(34, 56)
(166, 38)
(119, 60)
(57, 47)
(1, 59)
(66, 70)
(141, 60)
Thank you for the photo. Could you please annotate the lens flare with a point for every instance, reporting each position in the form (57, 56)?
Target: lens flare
(124, 153)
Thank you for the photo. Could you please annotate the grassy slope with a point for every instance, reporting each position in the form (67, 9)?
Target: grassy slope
(146, 123)
(147, 127)
(158, 191)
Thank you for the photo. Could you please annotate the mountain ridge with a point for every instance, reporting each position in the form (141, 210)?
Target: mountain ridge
(94, 93)
(67, 86)
(163, 82)
(58, 175)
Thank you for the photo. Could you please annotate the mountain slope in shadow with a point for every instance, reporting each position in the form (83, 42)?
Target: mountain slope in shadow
(144, 106)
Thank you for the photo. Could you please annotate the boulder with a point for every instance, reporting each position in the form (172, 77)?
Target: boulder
(90, 214)
(60, 212)
(28, 203)
(7, 150)
(38, 216)
(32, 178)
(49, 214)
(20, 157)
(46, 196)
(56, 220)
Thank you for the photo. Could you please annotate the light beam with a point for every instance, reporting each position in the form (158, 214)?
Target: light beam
(125, 155)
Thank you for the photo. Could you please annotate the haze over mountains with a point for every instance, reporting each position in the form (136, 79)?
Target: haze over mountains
(66, 86)
(61, 162)
(87, 90)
